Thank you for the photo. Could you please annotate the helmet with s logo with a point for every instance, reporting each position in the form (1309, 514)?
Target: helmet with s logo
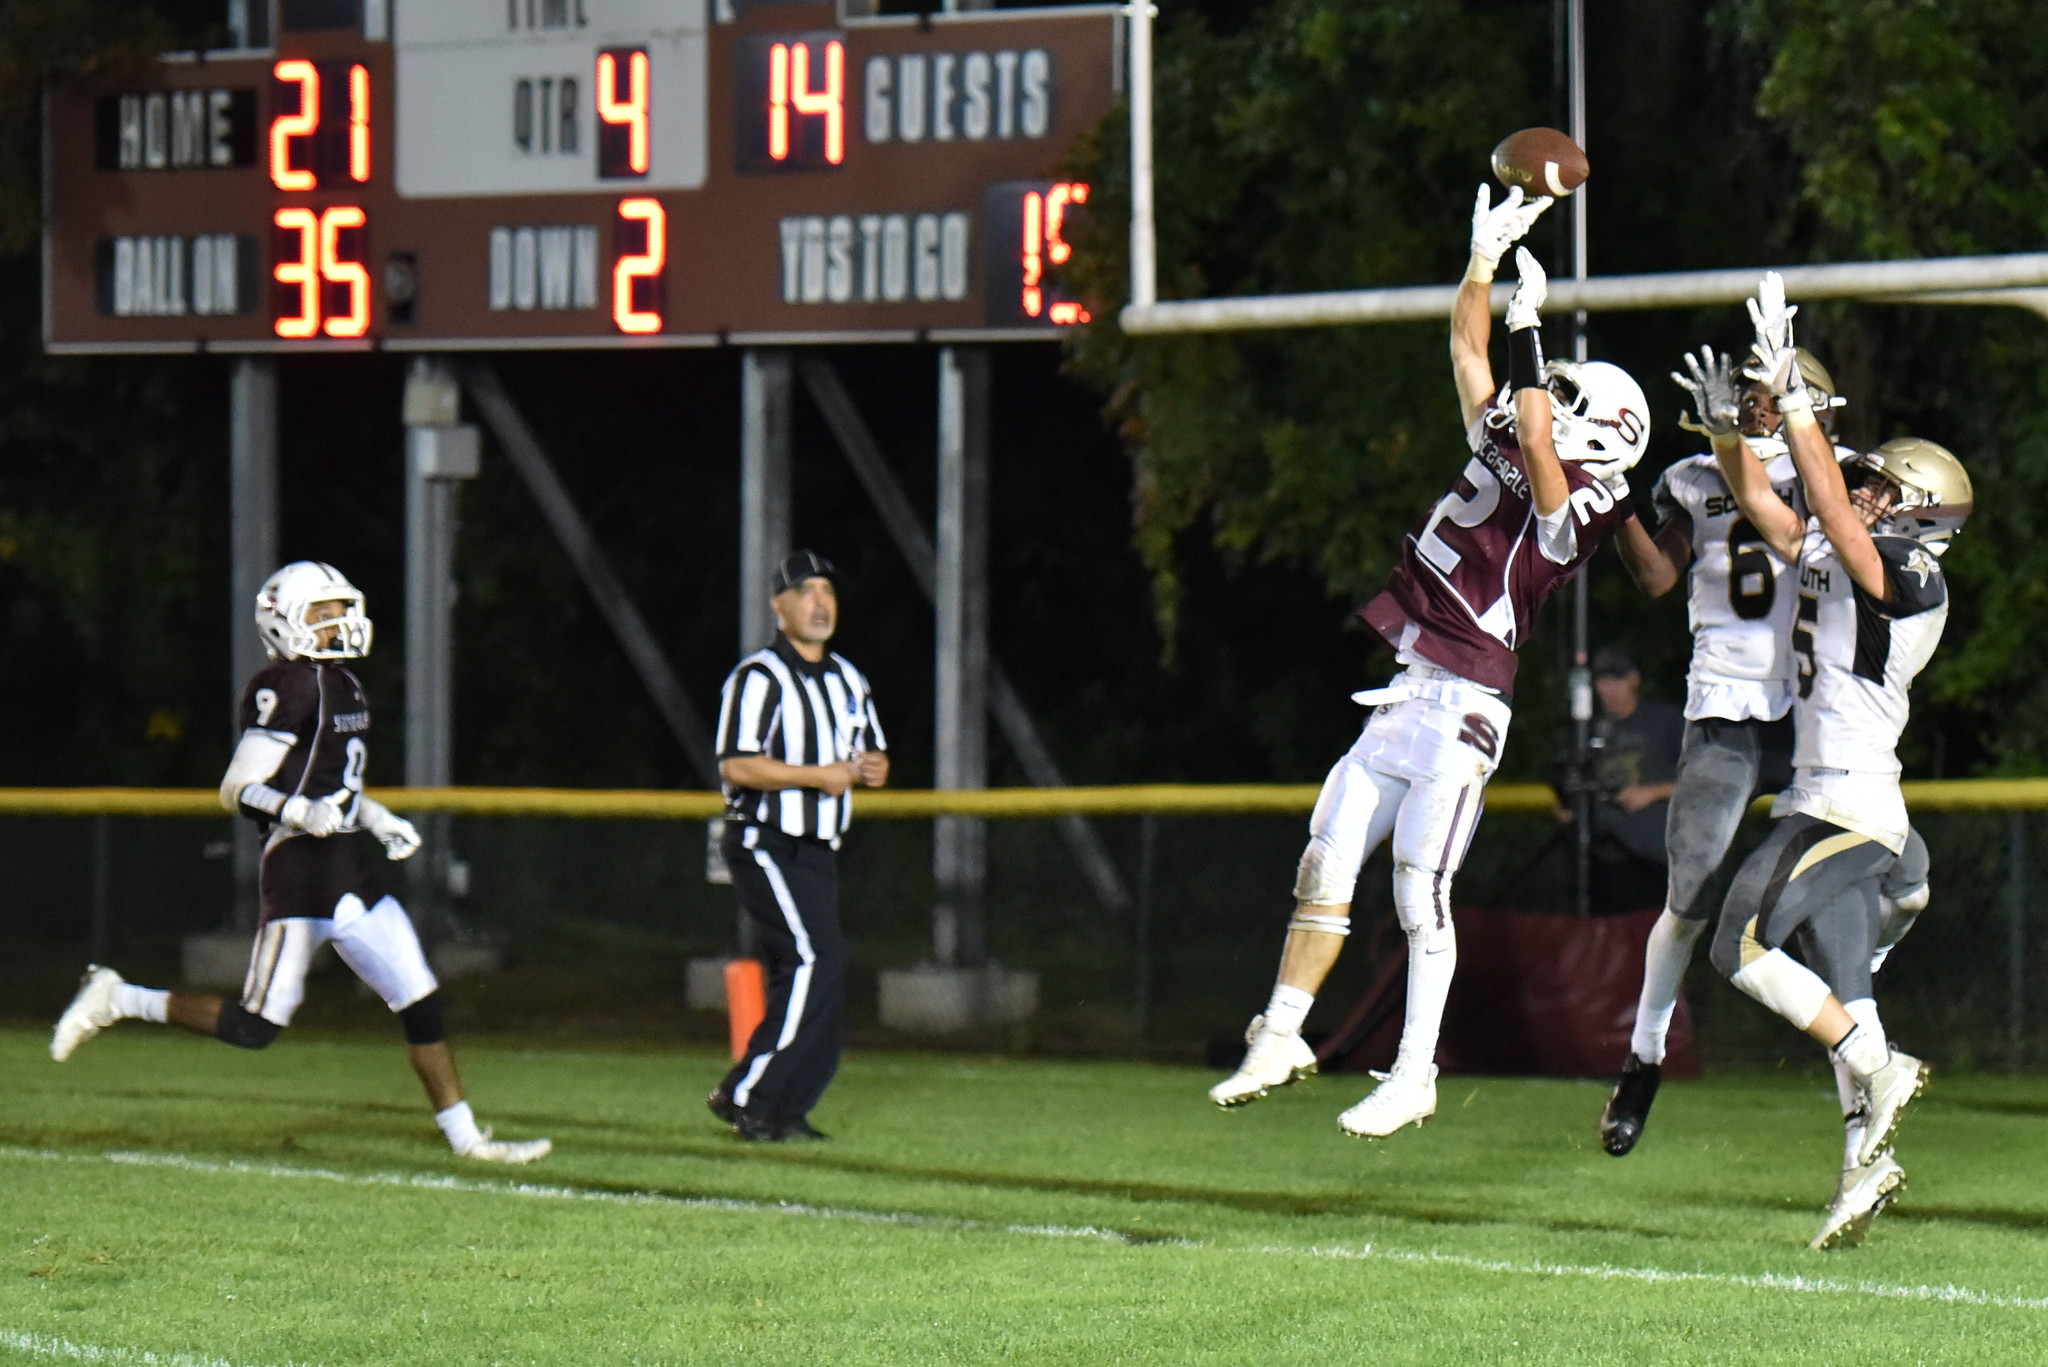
(1602, 419)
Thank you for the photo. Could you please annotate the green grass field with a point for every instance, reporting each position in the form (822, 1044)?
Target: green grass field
(166, 1200)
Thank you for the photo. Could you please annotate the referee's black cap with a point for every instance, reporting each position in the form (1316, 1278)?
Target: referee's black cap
(799, 566)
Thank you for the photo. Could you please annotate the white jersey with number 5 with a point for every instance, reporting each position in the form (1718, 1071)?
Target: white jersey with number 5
(1741, 599)
(1856, 658)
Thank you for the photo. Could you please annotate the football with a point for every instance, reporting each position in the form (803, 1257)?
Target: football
(1542, 161)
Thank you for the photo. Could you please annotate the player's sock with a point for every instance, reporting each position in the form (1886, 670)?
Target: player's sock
(1864, 1012)
(1870, 1041)
(459, 1124)
(1863, 1050)
(1853, 1114)
(1429, 986)
(141, 1003)
(1665, 958)
(1288, 1009)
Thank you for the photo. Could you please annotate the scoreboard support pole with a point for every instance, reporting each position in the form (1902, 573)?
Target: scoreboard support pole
(960, 721)
(765, 414)
(252, 555)
(1006, 708)
(440, 453)
(766, 398)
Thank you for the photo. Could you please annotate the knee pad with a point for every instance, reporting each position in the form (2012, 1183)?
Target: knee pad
(425, 1021)
(1422, 899)
(1324, 877)
(237, 1027)
(1913, 901)
(1786, 986)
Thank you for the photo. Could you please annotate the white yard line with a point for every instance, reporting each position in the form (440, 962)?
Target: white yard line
(63, 1349)
(425, 1181)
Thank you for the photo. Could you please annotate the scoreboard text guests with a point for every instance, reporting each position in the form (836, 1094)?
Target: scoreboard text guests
(589, 173)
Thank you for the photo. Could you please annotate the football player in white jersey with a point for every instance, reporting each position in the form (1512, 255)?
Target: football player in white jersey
(1738, 733)
(1871, 608)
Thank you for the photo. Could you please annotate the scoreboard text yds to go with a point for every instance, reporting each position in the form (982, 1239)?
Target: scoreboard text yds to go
(440, 174)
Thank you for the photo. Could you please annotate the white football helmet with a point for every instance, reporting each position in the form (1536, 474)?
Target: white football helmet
(1602, 418)
(286, 597)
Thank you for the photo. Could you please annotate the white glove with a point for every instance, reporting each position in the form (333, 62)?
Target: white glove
(1772, 317)
(1526, 303)
(1712, 386)
(1497, 227)
(313, 815)
(401, 838)
(1781, 373)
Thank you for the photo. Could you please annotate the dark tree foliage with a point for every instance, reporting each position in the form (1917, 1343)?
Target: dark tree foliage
(1335, 145)
(1322, 146)
(1921, 130)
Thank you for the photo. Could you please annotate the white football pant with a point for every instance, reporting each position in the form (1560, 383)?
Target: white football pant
(1418, 772)
(377, 942)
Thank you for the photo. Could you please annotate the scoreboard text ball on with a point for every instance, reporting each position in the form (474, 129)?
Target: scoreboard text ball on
(435, 174)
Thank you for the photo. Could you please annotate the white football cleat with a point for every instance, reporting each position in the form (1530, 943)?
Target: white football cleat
(90, 1012)
(1864, 1192)
(1271, 1060)
(1889, 1089)
(1400, 1099)
(489, 1150)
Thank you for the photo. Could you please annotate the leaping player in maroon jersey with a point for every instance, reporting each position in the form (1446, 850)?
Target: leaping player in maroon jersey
(1544, 487)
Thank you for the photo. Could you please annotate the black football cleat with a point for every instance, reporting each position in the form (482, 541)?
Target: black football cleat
(721, 1104)
(1628, 1110)
(767, 1130)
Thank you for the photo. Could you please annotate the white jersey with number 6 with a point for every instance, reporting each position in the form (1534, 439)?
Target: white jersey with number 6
(1741, 598)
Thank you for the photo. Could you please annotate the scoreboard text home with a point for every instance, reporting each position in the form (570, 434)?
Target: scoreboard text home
(426, 174)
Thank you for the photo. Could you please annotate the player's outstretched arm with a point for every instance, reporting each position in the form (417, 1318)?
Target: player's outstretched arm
(1776, 363)
(1711, 382)
(1655, 563)
(1495, 228)
(1827, 493)
(1533, 420)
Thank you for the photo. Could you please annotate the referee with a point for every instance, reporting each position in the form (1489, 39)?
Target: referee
(796, 730)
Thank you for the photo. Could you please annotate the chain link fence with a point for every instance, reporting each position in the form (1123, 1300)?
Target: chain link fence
(588, 926)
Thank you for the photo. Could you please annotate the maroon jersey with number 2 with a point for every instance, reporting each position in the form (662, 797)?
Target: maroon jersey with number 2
(1471, 577)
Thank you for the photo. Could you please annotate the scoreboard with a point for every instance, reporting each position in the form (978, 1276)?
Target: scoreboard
(448, 174)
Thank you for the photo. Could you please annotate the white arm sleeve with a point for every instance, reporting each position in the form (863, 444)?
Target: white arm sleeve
(1556, 536)
(256, 759)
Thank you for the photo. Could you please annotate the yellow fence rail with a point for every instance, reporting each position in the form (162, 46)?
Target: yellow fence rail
(1163, 799)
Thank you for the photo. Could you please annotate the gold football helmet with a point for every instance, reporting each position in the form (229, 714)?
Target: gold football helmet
(1935, 497)
(1819, 384)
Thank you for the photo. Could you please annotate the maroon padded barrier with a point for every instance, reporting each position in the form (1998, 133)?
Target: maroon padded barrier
(1535, 994)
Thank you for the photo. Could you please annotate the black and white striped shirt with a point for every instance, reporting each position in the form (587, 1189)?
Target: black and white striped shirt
(777, 703)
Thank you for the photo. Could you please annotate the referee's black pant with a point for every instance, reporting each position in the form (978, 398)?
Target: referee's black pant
(789, 888)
